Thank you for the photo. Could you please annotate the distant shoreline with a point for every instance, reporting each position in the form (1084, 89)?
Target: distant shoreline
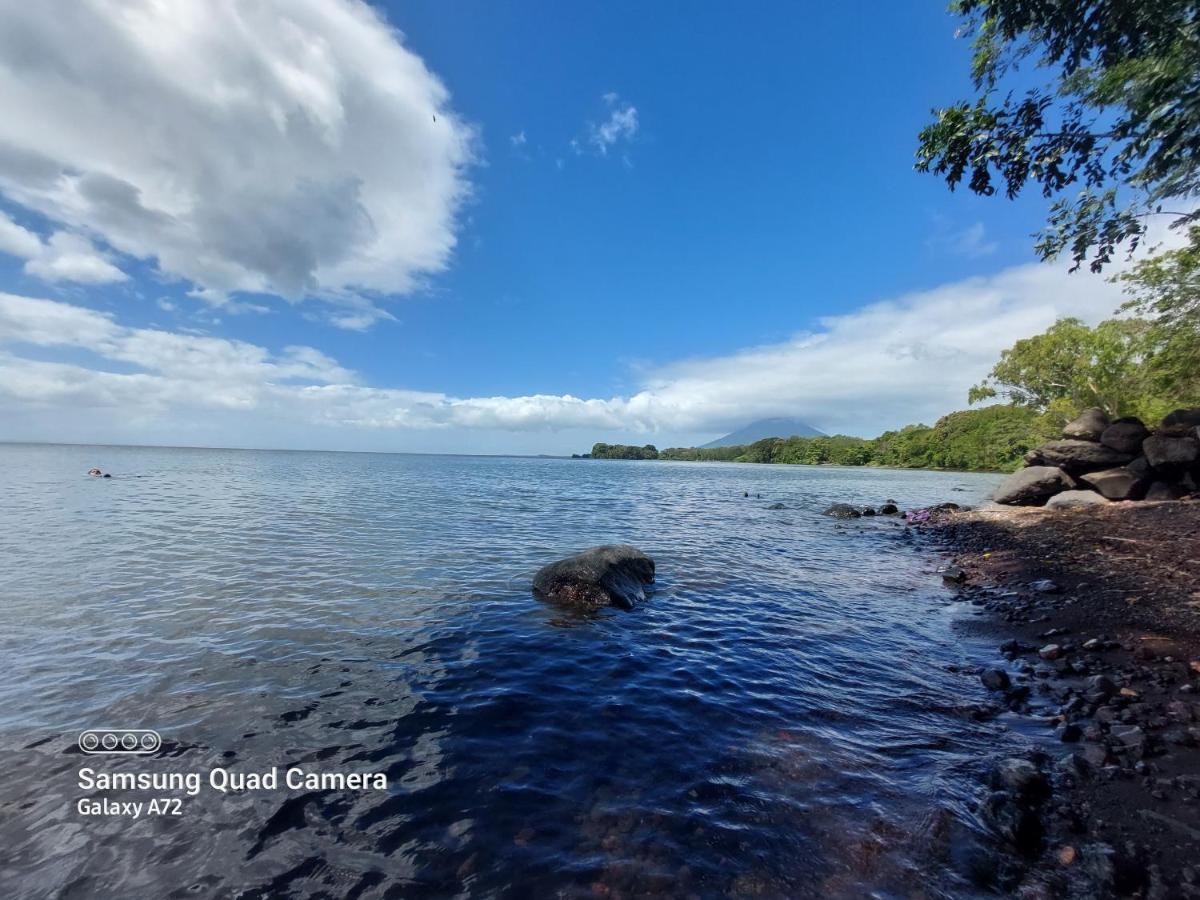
(742, 462)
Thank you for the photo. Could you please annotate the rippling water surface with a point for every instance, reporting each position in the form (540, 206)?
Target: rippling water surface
(783, 717)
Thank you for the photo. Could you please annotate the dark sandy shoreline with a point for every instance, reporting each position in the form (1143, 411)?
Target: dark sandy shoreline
(1096, 618)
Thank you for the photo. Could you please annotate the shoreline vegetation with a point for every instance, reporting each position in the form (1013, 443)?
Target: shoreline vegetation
(1125, 369)
(989, 439)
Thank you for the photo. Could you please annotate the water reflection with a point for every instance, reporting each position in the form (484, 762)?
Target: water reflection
(778, 719)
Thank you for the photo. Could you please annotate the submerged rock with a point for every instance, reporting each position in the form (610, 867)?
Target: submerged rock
(1031, 486)
(995, 679)
(611, 575)
(842, 511)
(954, 574)
(1022, 778)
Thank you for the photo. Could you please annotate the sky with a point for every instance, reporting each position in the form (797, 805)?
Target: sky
(490, 227)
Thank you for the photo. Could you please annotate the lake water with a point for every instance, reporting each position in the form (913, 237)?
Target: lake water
(782, 718)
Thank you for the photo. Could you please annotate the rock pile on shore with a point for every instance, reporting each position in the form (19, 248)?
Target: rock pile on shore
(1099, 461)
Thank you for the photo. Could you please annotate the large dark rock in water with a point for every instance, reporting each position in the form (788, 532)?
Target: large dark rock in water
(1123, 483)
(1088, 426)
(1032, 486)
(1077, 456)
(612, 575)
(1125, 435)
(1188, 418)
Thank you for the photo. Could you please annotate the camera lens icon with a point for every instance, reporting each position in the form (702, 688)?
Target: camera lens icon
(120, 741)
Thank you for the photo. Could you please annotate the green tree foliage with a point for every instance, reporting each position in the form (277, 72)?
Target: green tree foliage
(1166, 290)
(835, 449)
(1111, 131)
(910, 447)
(993, 438)
(623, 451)
(1070, 367)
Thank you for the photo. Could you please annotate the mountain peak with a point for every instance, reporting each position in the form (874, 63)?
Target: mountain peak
(780, 427)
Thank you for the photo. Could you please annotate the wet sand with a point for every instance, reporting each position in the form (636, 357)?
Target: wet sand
(1096, 617)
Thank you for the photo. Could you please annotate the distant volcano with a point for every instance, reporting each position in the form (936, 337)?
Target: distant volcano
(765, 428)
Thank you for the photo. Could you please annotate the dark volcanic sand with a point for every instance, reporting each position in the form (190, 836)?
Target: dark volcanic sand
(1124, 815)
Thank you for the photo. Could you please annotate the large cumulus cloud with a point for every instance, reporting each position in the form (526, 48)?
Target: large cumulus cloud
(290, 147)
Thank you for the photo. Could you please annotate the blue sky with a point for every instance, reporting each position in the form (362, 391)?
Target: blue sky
(677, 216)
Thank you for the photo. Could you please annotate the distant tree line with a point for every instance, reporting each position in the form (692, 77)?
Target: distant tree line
(1142, 367)
(623, 451)
(993, 438)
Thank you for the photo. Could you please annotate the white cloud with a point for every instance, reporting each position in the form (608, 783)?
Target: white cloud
(971, 242)
(16, 240)
(237, 144)
(173, 360)
(71, 257)
(621, 125)
(65, 257)
(905, 360)
(518, 139)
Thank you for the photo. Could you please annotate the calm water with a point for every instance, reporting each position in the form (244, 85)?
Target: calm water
(783, 718)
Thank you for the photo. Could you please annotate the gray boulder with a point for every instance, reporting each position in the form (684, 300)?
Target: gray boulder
(1141, 467)
(1174, 452)
(1075, 500)
(1189, 418)
(1121, 483)
(1088, 426)
(1161, 490)
(612, 575)
(1031, 486)
(1077, 456)
(842, 511)
(1125, 435)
